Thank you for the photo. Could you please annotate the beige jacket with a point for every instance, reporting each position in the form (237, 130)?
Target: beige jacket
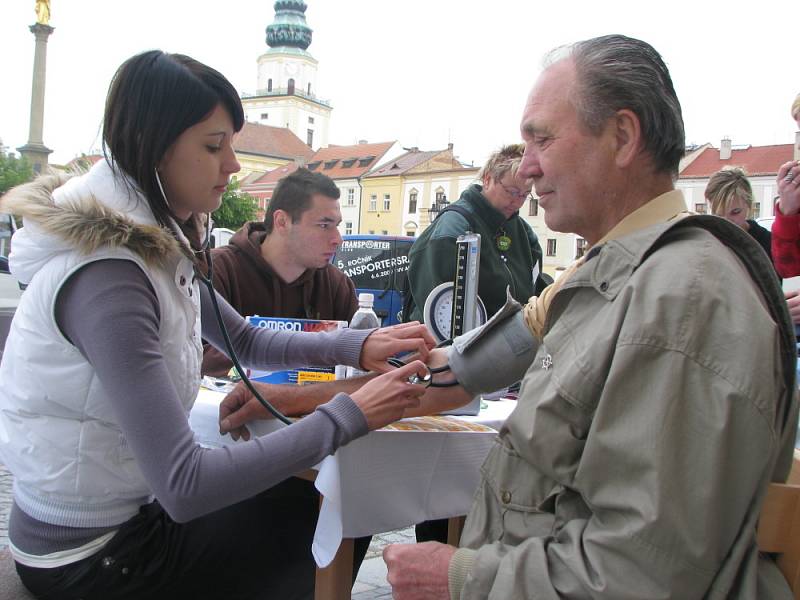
(657, 410)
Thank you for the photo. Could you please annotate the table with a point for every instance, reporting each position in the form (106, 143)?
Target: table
(383, 481)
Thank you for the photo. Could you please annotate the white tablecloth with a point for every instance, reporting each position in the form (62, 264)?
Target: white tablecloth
(386, 480)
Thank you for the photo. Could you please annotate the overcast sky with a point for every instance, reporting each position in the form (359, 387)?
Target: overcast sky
(423, 72)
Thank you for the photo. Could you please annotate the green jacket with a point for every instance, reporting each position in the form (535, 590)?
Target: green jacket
(432, 258)
(657, 410)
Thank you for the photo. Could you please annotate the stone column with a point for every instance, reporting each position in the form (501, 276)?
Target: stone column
(35, 150)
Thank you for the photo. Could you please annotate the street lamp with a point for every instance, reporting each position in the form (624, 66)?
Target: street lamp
(438, 206)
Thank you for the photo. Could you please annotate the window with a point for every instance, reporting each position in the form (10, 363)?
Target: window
(410, 233)
(439, 196)
(533, 207)
(311, 120)
(756, 209)
(384, 232)
(551, 247)
(372, 232)
(412, 202)
(700, 208)
(290, 91)
(269, 85)
(387, 202)
(351, 197)
(373, 204)
(309, 91)
(348, 227)
(264, 116)
(310, 137)
(580, 247)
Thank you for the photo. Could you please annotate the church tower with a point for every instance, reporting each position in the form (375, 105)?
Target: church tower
(287, 79)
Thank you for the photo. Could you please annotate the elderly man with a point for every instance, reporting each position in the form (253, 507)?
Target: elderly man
(657, 406)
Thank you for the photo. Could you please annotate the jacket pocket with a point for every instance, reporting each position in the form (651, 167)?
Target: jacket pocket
(525, 497)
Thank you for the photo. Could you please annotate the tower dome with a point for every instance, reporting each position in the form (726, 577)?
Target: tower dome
(289, 30)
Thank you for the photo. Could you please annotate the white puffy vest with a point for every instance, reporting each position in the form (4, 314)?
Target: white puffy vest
(58, 433)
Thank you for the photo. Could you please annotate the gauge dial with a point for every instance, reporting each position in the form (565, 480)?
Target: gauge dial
(438, 311)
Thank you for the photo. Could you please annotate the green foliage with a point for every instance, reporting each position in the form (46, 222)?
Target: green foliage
(236, 209)
(13, 170)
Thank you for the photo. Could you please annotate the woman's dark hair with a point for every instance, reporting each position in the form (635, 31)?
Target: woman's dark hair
(153, 98)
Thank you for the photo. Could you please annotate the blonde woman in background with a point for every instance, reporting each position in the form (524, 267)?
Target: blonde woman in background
(730, 196)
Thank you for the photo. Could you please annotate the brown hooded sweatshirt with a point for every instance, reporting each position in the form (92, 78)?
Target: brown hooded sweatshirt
(252, 287)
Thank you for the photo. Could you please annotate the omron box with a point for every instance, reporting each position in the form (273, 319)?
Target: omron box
(301, 375)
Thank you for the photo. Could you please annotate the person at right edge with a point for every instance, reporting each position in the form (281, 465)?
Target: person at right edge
(786, 228)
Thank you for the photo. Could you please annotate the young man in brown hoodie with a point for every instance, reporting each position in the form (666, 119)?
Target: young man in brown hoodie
(281, 267)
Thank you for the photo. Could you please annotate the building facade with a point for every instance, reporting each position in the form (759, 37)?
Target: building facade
(399, 193)
(346, 165)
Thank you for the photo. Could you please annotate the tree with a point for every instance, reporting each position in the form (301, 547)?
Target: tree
(13, 170)
(236, 209)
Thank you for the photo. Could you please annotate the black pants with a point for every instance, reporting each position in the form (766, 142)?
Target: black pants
(432, 531)
(258, 548)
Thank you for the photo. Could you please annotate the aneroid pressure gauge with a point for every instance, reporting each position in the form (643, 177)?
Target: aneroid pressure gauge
(453, 308)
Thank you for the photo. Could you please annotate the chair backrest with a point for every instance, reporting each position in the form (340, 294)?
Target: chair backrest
(779, 526)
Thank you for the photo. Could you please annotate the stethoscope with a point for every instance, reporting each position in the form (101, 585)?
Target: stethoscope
(427, 379)
(205, 250)
(208, 280)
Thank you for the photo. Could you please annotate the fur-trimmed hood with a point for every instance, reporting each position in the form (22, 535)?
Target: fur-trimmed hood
(84, 213)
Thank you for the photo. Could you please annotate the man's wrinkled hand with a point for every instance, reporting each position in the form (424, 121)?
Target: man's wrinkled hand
(418, 571)
(238, 408)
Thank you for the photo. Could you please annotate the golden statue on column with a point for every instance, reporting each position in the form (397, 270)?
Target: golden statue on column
(43, 12)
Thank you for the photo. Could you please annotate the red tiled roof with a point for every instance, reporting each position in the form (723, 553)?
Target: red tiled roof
(403, 163)
(755, 160)
(275, 175)
(266, 140)
(347, 162)
(263, 185)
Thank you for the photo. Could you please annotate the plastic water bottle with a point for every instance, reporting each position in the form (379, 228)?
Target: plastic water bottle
(364, 318)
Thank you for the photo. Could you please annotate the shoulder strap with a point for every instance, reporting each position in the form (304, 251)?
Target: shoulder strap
(762, 273)
(463, 212)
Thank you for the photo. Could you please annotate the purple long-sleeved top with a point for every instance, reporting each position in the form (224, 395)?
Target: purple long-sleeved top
(109, 311)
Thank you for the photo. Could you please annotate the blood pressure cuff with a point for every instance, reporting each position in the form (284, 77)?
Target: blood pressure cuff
(496, 354)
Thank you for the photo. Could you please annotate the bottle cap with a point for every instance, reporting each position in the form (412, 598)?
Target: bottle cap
(366, 298)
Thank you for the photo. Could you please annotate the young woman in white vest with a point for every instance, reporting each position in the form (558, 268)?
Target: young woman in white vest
(112, 496)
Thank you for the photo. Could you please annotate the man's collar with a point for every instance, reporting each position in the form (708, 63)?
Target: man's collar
(660, 209)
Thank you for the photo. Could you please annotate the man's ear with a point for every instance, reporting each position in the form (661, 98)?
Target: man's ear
(280, 220)
(627, 136)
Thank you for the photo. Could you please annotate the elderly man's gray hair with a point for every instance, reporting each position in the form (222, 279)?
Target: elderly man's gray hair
(615, 72)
